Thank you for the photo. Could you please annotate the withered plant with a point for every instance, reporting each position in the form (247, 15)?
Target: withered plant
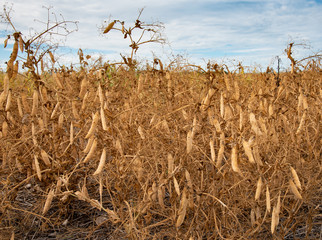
(140, 29)
(39, 44)
(214, 154)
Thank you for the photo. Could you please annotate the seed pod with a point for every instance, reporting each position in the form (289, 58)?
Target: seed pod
(278, 204)
(227, 82)
(295, 190)
(184, 114)
(44, 95)
(254, 124)
(170, 164)
(91, 151)
(101, 163)
(138, 168)
(270, 110)
(140, 130)
(296, 178)
(51, 56)
(161, 195)
(71, 133)
(228, 113)
(53, 114)
(21, 43)
(274, 220)
(234, 160)
(5, 43)
(10, 117)
(259, 188)
(176, 185)
(48, 202)
(74, 110)
(222, 105)
(182, 208)
(188, 178)
(3, 97)
(109, 27)
(61, 120)
(221, 150)
(237, 92)
(89, 144)
(300, 102)
(140, 84)
(83, 88)
(257, 156)
(248, 151)
(33, 134)
(19, 107)
(84, 101)
(4, 129)
(25, 102)
(261, 106)
(93, 126)
(57, 80)
(217, 125)
(262, 125)
(58, 186)
(252, 217)
(34, 103)
(103, 119)
(212, 150)
(6, 85)
(14, 52)
(10, 68)
(189, 141)
(38, 171)
(100, 95)
(9, 98)
(15, 70)
(45, 157)
(278, 209)
(268, 200)
(305, 104)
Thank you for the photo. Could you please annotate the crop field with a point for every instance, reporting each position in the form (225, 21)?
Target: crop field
(165, 151)
(176, 154)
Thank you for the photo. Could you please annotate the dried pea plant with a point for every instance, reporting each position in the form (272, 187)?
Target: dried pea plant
(137, 35)
(184, 155)
(39, 44)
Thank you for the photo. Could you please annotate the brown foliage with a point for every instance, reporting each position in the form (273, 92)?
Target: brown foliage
(143, 180)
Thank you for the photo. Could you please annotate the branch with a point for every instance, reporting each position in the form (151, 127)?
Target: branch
(310, 57)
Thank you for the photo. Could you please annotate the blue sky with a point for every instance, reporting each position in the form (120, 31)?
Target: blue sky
(253, 32)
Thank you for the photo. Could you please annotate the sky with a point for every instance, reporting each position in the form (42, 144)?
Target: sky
(252, 32)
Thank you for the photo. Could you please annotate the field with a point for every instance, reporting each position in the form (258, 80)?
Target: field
(177, 154)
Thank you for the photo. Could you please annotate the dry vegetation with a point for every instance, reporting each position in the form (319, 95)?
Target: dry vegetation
(161, 156)
(154, 154)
